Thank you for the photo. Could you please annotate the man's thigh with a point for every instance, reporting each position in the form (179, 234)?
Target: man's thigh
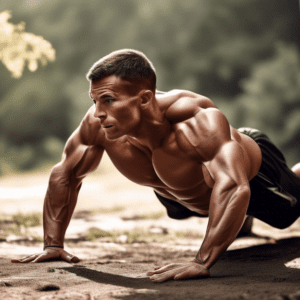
(272, 204)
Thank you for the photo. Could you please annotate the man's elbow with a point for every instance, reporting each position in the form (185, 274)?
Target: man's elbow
(242, 197)
(244, 190)
(230, 185)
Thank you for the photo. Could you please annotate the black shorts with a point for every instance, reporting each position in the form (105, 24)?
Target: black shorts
(275, 190)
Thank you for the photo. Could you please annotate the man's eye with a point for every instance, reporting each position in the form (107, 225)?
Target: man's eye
(109, 100)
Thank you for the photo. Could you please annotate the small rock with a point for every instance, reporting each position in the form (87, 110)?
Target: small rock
(46, 287)
(51, 270)
(2, 283)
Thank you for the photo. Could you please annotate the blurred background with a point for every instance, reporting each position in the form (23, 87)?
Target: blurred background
(243, 54)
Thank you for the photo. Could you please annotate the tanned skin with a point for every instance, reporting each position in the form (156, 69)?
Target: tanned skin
(177, 143)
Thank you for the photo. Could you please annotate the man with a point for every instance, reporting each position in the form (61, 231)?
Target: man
(179, 144)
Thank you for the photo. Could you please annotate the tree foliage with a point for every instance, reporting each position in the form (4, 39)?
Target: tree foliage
(19, 47)
(271, 99)
(236, 52)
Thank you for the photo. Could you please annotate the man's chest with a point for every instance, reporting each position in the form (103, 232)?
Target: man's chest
(167, 166)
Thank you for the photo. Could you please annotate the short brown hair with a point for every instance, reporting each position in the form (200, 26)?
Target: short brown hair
(128, 64)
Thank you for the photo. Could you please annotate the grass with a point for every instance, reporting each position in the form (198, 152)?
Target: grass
(139, 235)
(108, 210)
(28, 220)
(136, 235)
(95, 233)
(17, 224)
(150, 216)
(188, 234)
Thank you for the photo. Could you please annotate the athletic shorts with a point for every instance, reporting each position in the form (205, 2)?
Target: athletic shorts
(275, 190)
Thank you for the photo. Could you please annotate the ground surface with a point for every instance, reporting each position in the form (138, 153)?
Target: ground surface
(259, 267)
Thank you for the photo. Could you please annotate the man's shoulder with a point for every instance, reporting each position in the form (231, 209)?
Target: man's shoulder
(203, 132)
(180, 105)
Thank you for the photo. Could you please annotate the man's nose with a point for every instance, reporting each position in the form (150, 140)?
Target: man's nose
(99, 112)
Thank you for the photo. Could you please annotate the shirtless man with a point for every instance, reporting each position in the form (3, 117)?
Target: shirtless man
(179, 144)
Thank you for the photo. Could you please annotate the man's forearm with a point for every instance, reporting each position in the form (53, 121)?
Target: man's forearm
(225, 221)
(59, 204)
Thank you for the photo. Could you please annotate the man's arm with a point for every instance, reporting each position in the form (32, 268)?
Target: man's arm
(61, 197)
(64, 185)
(209, 134)
(228, 204)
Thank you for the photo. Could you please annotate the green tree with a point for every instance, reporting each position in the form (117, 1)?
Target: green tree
(18, 47)
(271, 100)
(207, 46)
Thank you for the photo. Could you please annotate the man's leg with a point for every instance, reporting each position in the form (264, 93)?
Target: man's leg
(276, 205)
(275, 190)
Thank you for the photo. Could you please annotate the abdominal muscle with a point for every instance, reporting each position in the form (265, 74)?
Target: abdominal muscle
(196, 199)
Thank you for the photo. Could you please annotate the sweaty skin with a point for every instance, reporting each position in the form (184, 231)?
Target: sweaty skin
(177, 143)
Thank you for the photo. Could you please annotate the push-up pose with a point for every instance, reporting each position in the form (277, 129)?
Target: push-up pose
(179, 144)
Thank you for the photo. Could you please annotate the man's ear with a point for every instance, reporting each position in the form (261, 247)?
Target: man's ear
(146, 97)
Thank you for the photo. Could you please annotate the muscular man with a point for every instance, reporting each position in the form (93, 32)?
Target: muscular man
(179, 144)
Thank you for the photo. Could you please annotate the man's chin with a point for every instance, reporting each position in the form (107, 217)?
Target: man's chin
(112, 137)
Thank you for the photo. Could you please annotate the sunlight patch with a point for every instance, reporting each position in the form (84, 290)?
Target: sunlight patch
(294, 264)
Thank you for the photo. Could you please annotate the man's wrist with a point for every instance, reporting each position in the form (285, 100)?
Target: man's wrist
(53, 246)
(200, 262)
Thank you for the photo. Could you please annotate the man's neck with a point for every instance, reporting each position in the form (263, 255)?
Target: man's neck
(153, 129)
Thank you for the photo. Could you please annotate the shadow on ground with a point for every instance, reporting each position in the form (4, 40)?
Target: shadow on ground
(258, 272)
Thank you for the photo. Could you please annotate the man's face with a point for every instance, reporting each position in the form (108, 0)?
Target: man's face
(116, 106)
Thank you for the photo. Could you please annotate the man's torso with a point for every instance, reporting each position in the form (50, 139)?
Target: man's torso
(174, 169)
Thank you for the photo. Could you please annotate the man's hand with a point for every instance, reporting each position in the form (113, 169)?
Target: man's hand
(47, 254)
(178, 271)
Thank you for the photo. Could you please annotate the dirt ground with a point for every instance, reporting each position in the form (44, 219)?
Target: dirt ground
(265, 271)
(264, 266)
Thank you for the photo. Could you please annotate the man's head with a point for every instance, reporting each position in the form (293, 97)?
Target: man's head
(122, 88)
(130, 65)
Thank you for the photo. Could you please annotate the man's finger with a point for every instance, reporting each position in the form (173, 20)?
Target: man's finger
(69, 257)
(158, 267)
(163, 276)
(29, 258)
(42, 257)
(24, 259)
(184, 275)
(192, 272)
(164, 269)
(153, 272)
